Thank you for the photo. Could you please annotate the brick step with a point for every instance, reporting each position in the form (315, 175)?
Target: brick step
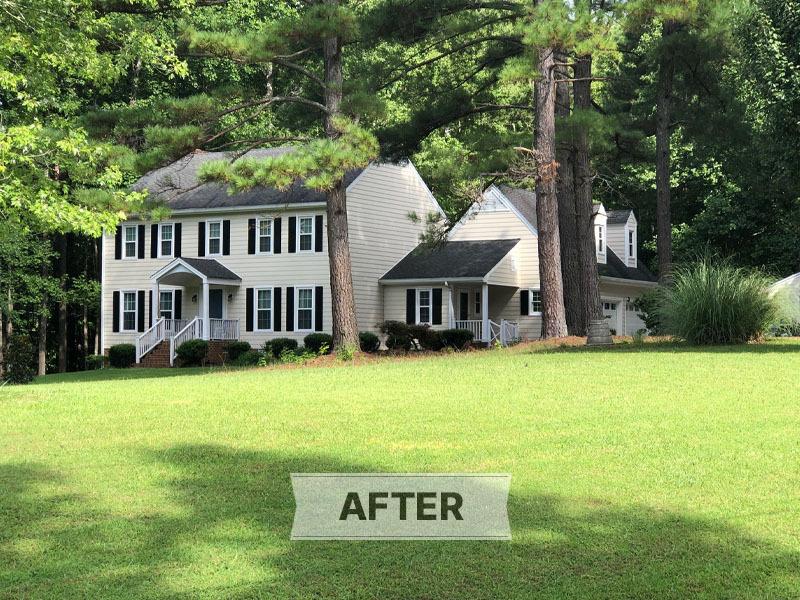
(158, 357)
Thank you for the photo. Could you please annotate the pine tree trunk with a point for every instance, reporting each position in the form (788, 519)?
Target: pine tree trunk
(61, 241)
(584, 223)
(343, 307)
(2, 345)
(666, 74)
(554, 322)
(565, 190)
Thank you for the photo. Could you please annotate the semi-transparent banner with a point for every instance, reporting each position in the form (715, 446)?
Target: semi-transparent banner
(408, 506)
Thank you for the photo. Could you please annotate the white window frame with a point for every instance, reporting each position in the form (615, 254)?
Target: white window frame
(477, 299)
(172, 303)
(259, 236)
(297, 308)
(123, 311)
(429, 305)
(630, 244)
(313, 220)
(531, 312)
(161, 240)
(208, 237)
(271, 291)
(125, 242)
(600, 239)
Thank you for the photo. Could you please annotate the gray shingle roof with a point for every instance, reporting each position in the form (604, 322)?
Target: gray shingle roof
(523, 200)
(473, 259)
(617, 217)
(177, 184)
(211, 268)
(614, 267)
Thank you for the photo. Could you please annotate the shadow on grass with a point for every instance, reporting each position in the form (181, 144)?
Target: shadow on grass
(110, 374)
(229, 538)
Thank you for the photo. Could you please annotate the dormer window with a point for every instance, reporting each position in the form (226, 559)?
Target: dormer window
(600, 238)
(630, 245)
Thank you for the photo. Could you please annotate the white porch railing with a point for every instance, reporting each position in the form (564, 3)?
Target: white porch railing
(475, 326)
(509, 332)
(223, 329)
(173, 326)
(192, 331)
(149, 339)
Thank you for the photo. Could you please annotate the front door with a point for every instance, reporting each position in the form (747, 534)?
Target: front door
(463, 306)
(215, 304)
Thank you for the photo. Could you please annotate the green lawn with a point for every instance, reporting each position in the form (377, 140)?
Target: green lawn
(654, 473)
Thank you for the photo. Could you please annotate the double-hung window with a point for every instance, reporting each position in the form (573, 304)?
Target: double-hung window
(632, 244)
(166, 306)
(264, 309)
(165, 231)
(214, 242)
(600, 239)
(535, 307)
(478, 302)
(305, 233)
(131, 240)
(129, 311)
(264, 236)
(305, 309)
(424, 301)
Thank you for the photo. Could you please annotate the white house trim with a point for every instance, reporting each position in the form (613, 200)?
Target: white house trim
(631, 282)
(179, 262)
(297, 289)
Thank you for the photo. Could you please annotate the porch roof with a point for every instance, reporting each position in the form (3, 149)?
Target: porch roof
(451, 260)
(205, 269)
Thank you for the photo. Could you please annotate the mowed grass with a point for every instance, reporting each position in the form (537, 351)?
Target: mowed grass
(638, 472)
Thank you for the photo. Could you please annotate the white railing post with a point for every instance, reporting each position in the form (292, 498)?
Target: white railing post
(485, 312)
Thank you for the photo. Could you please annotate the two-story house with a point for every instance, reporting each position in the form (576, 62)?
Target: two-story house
(254, 265)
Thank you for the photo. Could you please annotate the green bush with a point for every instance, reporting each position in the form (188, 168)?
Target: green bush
(318, 343)
(278, 346)
(647, 305)
(458, 339)
(346, 352)
(94, 362)
(20, 359)
(427, 338)
(713, 302)
(122, 356)
(398, 342)
(236, 349)
(369, 342)
(192, 352)
(249, 358)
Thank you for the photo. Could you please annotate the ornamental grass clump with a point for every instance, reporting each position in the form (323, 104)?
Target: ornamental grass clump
(713, 302)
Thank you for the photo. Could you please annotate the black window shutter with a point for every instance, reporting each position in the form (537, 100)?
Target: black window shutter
(226, 237)
(437, 306)
(318, 308)
(249, 309)
(318, 233)
(201, 238)
(141, 310)
(141, 241)
(289, 309)
(115, 319)
(118, 243)
(276, 309)
(153, 241)
(411, 305)
(276, 236)
(292, 234)
(251, 236)
(176, 310)
(152, 308)
(176, 245)
(524, 302)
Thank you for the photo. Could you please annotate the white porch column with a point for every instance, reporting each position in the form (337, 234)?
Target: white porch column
(485, 312)
(154, 306)
(450, 312)
(206, 321)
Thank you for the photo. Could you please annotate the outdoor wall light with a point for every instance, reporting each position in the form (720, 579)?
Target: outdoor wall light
(194, 299)
(230, 297)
